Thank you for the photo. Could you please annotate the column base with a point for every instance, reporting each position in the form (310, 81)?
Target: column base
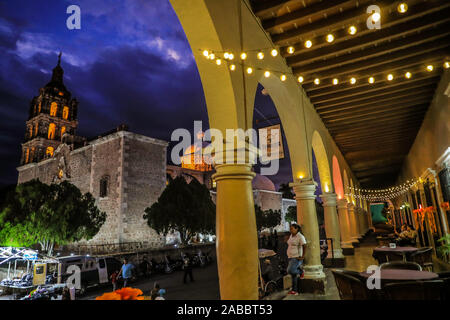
(334, 263)
(315, 286)
(349, 251)
(355, 243)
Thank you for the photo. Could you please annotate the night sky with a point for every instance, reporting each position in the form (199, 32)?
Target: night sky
(130, 63)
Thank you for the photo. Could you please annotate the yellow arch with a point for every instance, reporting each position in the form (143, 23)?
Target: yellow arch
(322, 162)
(337, 179)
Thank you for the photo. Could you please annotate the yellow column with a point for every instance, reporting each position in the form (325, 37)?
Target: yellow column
(361, 218)
(332, 223)
(353, 223)
(307, 217)
(236, 242)
(344, 223)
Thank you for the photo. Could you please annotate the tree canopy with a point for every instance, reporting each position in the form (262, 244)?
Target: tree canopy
(35, 212)
(267, 219)
(183, 207)
(286, 191)
(291, 214)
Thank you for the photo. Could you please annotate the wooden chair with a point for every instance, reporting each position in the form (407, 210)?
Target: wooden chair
(401, 265)
(424, 257)
(349, 287)
(415, 290)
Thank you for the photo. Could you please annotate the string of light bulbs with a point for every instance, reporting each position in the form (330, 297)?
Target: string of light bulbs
(222, 57)
(382, 194)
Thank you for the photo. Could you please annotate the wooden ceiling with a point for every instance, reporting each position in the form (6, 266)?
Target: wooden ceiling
(374, 125)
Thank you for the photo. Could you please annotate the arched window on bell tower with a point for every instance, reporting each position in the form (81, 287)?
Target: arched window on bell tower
(53, 109)
(51, 131)
(49, 151)
(65, 112)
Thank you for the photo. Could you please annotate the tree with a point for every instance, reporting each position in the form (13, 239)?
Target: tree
(267, 219)
(183, 207)
(286, 191)
(291, 214)
(36, 213)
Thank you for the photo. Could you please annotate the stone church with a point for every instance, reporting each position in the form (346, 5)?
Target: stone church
(124, 171)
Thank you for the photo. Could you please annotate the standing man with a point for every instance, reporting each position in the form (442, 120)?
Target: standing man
(126, 272)
(187, 267)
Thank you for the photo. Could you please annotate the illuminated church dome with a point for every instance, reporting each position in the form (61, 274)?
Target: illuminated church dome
(263, 183)
(194, 158)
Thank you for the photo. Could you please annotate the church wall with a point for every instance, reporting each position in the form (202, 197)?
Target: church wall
(144, 178)
(104, 159)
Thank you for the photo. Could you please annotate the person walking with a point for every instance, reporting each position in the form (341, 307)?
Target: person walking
(113, 278)
(296, 253)
(126, 272)
(187, 267)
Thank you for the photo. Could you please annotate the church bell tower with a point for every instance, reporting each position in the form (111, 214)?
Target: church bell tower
(52, 119)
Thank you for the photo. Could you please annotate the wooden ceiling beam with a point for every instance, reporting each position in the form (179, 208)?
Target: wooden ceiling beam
(373, 126)
(265, 7)
(408, 95)
(341, 92)
(369, 134)
(380, 118)
(398, 49)
(380, 135)
(429, 50)
(334, 22)
(393, 104)
(304, 14)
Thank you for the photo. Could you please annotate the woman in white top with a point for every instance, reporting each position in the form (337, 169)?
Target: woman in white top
(296, 253)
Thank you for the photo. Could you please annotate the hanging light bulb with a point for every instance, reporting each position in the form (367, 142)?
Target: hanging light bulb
(317, 81)
(249, 70)
(206, 53)
(390, 77)
(260, 55)
(283, 77)
(446, 64)
(267, 74)
(402, 7)
(335, 81)
(226, 55)
(291, 50)
(330, 38)
(371, 80)
(352, 30)
(230, 56)
(212, 56)
(352, 80)
(300, 79)
(308, 43)
(232, 67)
(408, 75)
(430, 68)
(243, 56)
(274, 52)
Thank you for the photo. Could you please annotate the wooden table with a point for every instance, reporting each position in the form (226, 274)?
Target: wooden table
(402, 250)
(402, 275)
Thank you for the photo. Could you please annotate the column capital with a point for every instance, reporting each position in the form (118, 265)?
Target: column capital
(233, 171)
(329, 199)
(342, 204)
(351, 206)
(304, 190)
